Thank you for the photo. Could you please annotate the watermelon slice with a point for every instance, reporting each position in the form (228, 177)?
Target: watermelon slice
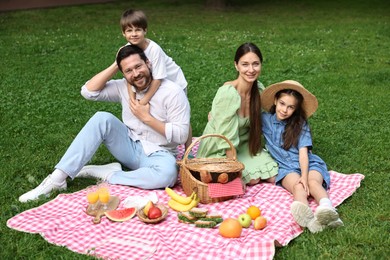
(120, 215)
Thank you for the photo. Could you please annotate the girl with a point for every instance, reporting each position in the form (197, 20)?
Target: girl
(235, 113)
(288, 139)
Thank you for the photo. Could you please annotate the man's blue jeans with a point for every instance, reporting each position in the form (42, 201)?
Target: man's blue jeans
(158, 170)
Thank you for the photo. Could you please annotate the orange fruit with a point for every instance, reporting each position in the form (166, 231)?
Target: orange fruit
(254, 212)
(230, 228)
(260, 223)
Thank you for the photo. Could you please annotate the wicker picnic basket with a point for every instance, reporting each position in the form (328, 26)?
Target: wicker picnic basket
(190, 169)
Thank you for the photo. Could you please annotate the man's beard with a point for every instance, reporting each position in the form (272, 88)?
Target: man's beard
(147, 84)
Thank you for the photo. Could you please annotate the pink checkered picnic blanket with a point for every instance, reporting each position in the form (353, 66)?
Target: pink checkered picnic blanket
(63, 222)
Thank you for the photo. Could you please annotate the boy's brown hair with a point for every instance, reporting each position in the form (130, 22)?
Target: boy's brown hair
(133, 18)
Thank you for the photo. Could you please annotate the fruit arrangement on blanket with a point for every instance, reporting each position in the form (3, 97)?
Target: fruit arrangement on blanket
(252, 214)
(200, 217)
(232, 227)
(152, 213)
(181, 203)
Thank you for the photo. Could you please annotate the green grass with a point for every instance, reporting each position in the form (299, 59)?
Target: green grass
(339, 50)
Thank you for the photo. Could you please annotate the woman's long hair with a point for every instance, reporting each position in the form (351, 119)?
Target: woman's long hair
(255, 105)
(295, 122)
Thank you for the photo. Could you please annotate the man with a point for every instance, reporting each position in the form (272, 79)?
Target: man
(145, 142)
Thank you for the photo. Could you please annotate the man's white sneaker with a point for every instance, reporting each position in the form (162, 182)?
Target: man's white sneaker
(302, 213)
(326, 214)
(102, 172)
(45, 188)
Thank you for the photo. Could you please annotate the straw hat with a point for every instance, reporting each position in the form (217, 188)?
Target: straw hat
(310, 103)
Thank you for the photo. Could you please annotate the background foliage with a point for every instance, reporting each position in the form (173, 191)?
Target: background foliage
(339, 50)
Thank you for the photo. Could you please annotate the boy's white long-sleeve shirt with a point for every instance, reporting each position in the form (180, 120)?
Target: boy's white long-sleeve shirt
(163, 66)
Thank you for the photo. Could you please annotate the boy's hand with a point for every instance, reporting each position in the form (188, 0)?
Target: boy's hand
(131, 93)
(142, 102)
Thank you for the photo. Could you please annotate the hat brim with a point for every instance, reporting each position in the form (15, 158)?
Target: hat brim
(310, 102)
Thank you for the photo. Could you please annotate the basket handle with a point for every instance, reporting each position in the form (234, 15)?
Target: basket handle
(234, 154)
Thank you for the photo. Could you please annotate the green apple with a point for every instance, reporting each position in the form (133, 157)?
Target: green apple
(245, 220)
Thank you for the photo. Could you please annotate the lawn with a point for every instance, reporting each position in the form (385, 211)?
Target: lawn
(339, 50)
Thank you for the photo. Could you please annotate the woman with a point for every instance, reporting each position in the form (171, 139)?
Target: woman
(236, 114)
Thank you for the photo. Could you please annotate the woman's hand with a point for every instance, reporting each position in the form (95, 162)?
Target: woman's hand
(229, 153)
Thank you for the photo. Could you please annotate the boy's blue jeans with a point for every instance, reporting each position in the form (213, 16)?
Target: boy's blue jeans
(158, 170)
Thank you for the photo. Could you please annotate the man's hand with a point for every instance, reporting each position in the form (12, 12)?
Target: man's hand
(140, 111)
(118, 51)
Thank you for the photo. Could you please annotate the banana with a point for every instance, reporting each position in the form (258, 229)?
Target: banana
(181, 207)
(181, 199)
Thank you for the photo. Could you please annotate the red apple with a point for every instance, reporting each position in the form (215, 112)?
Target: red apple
(154, 212)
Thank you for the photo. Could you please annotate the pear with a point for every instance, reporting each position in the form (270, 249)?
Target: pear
(147, 207)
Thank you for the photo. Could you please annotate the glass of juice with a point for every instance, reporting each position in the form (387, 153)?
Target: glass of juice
(104, 194)
(92, 196)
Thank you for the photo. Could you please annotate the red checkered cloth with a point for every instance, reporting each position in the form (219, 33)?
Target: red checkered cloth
(63, 222)
(232, 188)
